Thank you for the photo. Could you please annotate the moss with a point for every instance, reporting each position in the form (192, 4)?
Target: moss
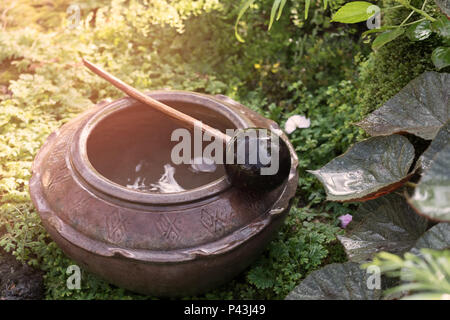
(336, 253)
(389, 69)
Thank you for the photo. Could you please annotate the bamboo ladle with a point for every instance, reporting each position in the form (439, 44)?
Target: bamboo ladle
(243, 175)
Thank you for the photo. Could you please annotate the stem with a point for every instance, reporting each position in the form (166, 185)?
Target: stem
(407, 24)
(410, 23)
(421, 12)
(407, 18)
(394, 7)
(423, 5)
(412, 12)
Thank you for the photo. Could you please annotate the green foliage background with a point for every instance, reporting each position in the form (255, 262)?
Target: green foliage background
(313, 68)
(389, 69)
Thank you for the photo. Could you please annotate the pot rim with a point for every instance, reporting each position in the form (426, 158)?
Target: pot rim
(85, 169)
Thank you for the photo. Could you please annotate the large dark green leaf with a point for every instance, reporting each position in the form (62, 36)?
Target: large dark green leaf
(421, 108)
(384, 224)
(441, 57)
(432, 194)
(337, 281)
(438, 143)
(444, 5)
(368, 169)
(437, 238)
(419, 31)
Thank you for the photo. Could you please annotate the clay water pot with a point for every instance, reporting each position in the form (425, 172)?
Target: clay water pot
(161, 244)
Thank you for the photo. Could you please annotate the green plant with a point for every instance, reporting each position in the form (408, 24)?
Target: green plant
(372, 170)
(384, 163)
(425, 277)
(276, 11)
(417, 30)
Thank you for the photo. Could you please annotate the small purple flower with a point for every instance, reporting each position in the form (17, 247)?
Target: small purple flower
(345, 220)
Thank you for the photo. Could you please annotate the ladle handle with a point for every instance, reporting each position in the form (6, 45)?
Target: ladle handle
(171, 112)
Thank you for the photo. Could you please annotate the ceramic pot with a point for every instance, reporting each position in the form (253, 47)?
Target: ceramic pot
(161, 244)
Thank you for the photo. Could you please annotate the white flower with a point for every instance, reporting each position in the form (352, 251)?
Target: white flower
(295, 122)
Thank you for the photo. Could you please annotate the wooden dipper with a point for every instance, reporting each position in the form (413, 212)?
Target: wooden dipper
(245, 175)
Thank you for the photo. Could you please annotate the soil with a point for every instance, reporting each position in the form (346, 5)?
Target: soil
(19, 281)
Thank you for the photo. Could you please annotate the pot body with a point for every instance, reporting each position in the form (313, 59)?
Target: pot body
(158, 244)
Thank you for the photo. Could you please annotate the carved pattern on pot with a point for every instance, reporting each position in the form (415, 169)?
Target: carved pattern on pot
(78, 210)
(217, 220)
(115, 224)
(59, 176)
(77, 207)
(55, 157)
(168, 228)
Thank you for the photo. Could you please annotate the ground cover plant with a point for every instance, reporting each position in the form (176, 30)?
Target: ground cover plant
(310, 66)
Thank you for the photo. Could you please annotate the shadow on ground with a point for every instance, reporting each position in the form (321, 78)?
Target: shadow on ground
(19, 281)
